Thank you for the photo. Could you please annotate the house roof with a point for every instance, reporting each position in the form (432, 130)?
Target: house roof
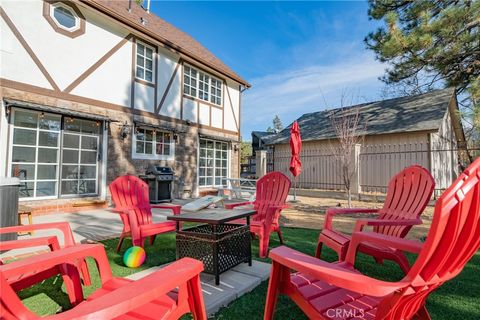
(406, 114)
(164, 32)
(262, 134)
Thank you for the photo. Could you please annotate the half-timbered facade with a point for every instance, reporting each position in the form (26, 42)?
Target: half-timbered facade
(91, 90)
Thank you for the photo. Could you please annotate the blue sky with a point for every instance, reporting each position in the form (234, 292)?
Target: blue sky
(299, 56)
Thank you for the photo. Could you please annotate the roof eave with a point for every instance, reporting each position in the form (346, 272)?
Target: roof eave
(165, 42)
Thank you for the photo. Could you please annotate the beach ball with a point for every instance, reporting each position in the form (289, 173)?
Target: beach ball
(134, 257)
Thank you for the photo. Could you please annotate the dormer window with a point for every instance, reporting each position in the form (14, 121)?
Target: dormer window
(64, 18)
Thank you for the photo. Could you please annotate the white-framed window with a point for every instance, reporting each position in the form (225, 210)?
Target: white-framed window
(189, 81)
(201, 85)
(64, 16)
(144, 68)
(54, 156)
(213, 163)
(149, 143)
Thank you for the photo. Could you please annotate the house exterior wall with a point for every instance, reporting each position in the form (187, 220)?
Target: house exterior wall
(95, 73)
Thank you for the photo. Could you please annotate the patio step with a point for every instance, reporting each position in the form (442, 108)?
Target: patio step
(234, 283)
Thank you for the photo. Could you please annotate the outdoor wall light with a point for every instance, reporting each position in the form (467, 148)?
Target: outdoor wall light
(235, 147)
(125, 130)
(175, 137)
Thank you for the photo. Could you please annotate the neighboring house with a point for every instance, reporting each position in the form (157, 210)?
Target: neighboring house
(259, 138)
(423, 129)
(91, 90)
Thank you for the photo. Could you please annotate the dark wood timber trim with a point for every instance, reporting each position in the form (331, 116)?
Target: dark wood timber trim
(157, 69)
(29, 50)
(97, 64)
(203, 102)
(132, 80)
(167, 89)
(165, 43)
(71, 34)
(231, 107)
(181, 88)
(210, 116)
(145, 83)
(101, 104)
(239, 113)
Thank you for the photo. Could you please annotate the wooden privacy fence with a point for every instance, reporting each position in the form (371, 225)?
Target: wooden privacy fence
(376, 165)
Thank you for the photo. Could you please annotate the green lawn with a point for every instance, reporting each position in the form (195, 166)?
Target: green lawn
(457, 299)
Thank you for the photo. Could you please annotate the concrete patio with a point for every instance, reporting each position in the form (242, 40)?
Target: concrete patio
(95, 225)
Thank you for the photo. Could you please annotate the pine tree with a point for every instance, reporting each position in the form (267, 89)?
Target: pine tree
(429, 44)
(277, 124)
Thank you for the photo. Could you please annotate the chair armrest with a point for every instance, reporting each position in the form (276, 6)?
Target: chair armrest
(385, 222)
(380, 239)
(64, 227)
(238, 204)
(136, 293)
(336, 211)
(333, 273)
(68, 255)
(176, 209)
(50, 241)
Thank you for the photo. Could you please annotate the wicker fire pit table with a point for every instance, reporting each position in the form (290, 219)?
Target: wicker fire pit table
(218, 244)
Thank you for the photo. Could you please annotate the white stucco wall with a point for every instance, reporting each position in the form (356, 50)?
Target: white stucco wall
(67, 59)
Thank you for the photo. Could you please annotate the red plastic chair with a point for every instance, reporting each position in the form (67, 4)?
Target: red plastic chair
(131, 199)
(166, 294)
(407, 196)
(336, 290)
(271, 194)
(25, 280)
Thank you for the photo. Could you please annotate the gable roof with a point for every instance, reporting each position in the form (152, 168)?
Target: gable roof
(406, 114)
(262, 134)
(164, 32)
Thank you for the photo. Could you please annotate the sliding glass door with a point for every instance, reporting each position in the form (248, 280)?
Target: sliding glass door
(53, 155)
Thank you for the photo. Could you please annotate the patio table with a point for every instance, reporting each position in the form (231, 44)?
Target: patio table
(218, 244)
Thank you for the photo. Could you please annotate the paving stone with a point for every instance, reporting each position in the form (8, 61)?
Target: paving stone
(233, 283)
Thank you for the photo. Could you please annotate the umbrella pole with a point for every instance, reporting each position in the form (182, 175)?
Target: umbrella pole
(294, 189)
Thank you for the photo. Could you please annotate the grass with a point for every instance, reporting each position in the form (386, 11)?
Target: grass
(457, 299)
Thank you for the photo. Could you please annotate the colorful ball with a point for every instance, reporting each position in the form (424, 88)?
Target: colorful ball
(134, 257)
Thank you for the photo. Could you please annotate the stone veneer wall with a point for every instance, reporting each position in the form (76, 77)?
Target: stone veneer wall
(119, 153)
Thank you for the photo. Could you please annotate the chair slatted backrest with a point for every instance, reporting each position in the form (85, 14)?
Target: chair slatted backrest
(408, 194)
(131, 192)
(272, 190)
(453, 239)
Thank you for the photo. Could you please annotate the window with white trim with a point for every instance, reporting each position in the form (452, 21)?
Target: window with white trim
(213, 163)
(64, 16)
(152, 144)
(201, 85)
(144, 69)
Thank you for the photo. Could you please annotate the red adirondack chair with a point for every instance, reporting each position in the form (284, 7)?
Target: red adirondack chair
(271, 194)
(407, 196)
(337, 291)
(166, 294)
(131, 199)
(24, 280)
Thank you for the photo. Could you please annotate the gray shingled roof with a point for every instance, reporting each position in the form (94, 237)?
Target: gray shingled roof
(262, 134)
(405, 114)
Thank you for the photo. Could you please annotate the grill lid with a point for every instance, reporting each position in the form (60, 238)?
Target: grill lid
(158, 170)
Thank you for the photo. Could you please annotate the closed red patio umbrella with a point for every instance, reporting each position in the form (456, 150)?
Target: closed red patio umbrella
(296, 148)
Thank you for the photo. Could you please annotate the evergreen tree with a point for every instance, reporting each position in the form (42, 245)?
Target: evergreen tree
(431, 43)
(277, 124)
